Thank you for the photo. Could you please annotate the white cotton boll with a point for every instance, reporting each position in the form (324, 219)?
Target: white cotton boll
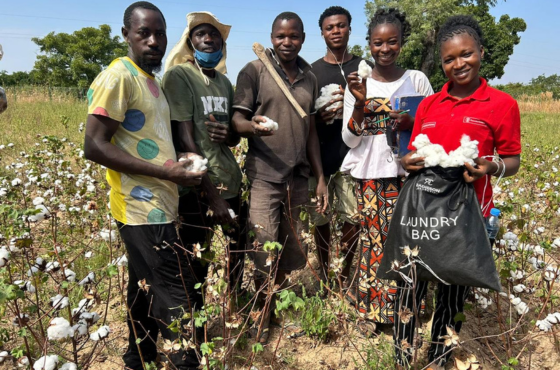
(551, 318)
(89, 279)
(556, 243)
(4, 256)
(81, 328)
(557, 316)
(121, 261)
(198, 164)
(23, 362)
(270, 124)
(68, 366)
(102, 332)
(517, 274)
(48, 362)
(549, 275)
(538, 250)
(522, 308)
(38, 200)
(519, 288)
(59, 329)
(421, 141)
(88, 254)
(90, 317)
(52, 266)
(364, 70)
(327, 94)
(510, 236)
(108, 235)
(70, 275)
(82, 306)
(59, 301)
(543, 325)
(433, 154)
(232, 213)
(3, 356)
(515, 301)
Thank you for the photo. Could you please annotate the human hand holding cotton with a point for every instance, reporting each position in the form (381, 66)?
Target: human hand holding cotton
(268, 123)
(364, 70)
(328, 93)
(198, 164)
(435, 155)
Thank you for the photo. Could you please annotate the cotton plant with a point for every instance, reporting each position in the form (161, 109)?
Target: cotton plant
(328, 93)
(101, 333)
(435, 155)
(548, 322)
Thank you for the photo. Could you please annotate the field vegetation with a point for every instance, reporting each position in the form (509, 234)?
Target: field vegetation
(63, 268)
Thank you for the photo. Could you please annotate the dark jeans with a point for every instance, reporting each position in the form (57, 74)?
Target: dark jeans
(168, 274)
(197, 226)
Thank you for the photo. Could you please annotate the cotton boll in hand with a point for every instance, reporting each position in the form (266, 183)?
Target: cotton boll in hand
(364, 70)
(327, 94)
(421, 141)
(270, 124)
(232, 213)
(198, 164)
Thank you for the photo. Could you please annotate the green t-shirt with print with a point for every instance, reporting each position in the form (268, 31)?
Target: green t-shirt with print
(190, 99)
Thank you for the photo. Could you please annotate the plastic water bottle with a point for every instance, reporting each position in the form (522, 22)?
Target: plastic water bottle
(493, 224)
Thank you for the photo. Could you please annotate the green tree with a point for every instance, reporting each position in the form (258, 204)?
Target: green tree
(17, 78)
(75, 59)
(427, 16)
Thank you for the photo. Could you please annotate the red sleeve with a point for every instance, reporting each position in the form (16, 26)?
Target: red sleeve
(417, 129)
(507, 135)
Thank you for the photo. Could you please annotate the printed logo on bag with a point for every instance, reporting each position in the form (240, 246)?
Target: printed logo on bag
(427, 228)
(427, 186)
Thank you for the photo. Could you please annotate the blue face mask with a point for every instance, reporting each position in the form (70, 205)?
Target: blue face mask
(208, 60)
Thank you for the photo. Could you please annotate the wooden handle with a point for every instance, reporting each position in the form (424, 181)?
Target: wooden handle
(260, 52)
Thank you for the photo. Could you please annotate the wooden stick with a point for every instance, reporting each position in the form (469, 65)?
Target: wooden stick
(259, 51)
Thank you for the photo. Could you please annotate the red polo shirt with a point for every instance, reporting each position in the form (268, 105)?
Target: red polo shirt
(488, 115)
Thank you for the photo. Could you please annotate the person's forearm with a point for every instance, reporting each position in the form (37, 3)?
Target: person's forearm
(241, 124)
(511, 166)
(109, 155)
(314, 153)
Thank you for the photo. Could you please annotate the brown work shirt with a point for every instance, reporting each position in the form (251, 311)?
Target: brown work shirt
(278, 157)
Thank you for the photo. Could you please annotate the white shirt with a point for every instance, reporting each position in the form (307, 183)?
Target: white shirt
(370, 157)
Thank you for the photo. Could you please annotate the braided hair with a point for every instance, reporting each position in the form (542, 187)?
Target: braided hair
(459, 24)
(392, 16)
(143, 5)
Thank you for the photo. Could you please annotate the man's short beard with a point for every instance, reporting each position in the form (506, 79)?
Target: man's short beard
(149, 67)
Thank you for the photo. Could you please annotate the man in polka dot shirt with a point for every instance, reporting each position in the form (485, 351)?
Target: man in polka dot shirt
(128, 131)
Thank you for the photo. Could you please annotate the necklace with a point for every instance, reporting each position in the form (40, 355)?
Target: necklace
(341, 62)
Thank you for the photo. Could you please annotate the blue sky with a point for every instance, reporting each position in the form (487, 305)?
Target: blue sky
(538, 53)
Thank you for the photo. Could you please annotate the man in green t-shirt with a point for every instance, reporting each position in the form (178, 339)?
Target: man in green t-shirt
(200, 99)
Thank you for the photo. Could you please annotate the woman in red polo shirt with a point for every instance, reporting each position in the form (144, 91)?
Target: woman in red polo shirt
(465, 105)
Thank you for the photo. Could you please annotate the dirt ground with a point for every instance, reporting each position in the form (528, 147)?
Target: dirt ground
(288, 349)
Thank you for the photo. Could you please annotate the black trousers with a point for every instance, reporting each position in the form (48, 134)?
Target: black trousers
(449, 302)
(168, 276)
(197, 225)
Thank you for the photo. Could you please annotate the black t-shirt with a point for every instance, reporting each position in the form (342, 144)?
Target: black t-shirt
(333, 149)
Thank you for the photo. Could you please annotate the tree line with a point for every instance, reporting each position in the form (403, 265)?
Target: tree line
(73, 60)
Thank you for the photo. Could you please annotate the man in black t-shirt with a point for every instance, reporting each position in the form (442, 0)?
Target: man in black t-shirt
(333, 69)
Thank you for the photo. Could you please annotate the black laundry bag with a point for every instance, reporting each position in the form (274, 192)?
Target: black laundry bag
(439, 212)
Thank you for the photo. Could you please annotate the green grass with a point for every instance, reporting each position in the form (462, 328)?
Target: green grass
(28, 117)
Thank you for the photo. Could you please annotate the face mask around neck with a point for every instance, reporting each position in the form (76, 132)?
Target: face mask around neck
(208, 60)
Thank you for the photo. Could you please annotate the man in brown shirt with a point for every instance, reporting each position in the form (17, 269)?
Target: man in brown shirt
(278, 162)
